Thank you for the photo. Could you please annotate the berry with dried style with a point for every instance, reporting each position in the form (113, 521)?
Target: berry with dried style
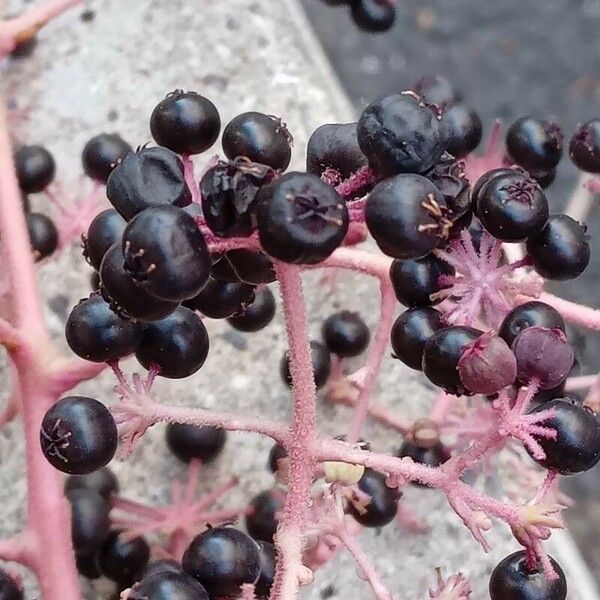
(222, 299)
(530, 314)
(94, 332)
(105, 230)
(123, 559)
(43, 235)
(147, 177)
(177, 345)
(257, 315)
(261, 523)
(252, 266)
(165, 253)
(514, 579)
(407, 216)
(584, 147)
(267, 569)
(103, 481)
(321, 364)
(261, 138)
(437, 89)
(9, 590)
(301, 219)
(222, 559)
(535, 144)
(383, 504)
(90, 522)
(374, 16)
(185, 122)
(192, 442)
(461, 130)
(167, 585)
(487, 177)
(562, 250)
(346, 334)
(102, 154)
(400, 134)
(78, 435)
(35, 168)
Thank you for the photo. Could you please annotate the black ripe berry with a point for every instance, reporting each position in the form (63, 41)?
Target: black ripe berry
(185, 122)
(486, 178)
(167, 585)
(252, 266)
(416, 280)
(123, 559)
(192, 442)
(424, 447)
(43, 235)
(267, 569)
(535, 144)
(102, 154)
(321, 364)
(562, 250)
(94, 332)
(577, 444)
(222, 299)
(105, 230)
(442, 354)
(8, 588)
(277, 453)
(147, 177)
(512, 207)
(437, 89)
(89, 521)
(222, 559)
(383, 504)
(373, 16)
(162, 565)
(411, 331)
(261, 523)
(103, 481)
(261, 138)
(584, 147)
(461, 130)
(78, 435)
(222, 269)
(301, 219)
(257, 315)
(514, 579)
(177, 344)
(400, 134)
(345, 334)
(165, 253)
(407, 216)
(530, 314)
(35, 168)
(87, 565)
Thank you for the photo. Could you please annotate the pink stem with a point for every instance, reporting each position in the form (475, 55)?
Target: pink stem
(17, 549)
(581, 383)
(190, 179)
(135, 508)
(575, 313)
(356, 182)
(441, 407)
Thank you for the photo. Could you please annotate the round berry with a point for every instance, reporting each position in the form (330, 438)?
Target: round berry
(162, 565)
(9, 590)
(261, 523)
(165, 253)
(43, 235)
(35, 168)
(185, 122)
(89, 520)
(277, 453)
(257, 315)
(461, 130)
(252, 266)
(411, 331)
(87, 564)
(102, 154)
(222, 559)
(147, 177)
(321, 364)
(105, 230)
(431, 452)
(562, 250)
(222, 299)
(535, 144)
(513, 579)
(78, 435)
(437, 89)
(545, 178)
(166, 585)
(267, 569)
(123, 559)
(584, 147)
(177, 345)
(373, 16)
(383, 504)
(192, 442)
(400, 134)
(407, 216)
(263, 139)
(346, 334)
(486, 178)
(530, 314)
(222, 269)
(103, 481)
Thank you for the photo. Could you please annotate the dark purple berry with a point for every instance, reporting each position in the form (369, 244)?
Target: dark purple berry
(545, 178)
(486, 178)
(89, 521)
(35, 168)
(267, 569)
(383, 505)
(321, 364)
(261, 523)
(43, 235)
(222, 269)
(192, 442)
(584, 147)
(277, 453)
(103, 481)
(166, 585)
(535, 144)
(461, 130)
(425, 452)
(257, 315)
(123, 559)
(222, 299)
(9, 590)
(345, 334)
(87, 564)
(436, 89)
(530, 314)
(105, 230)
(102, 154)
(162, 565)
(373, 16)
(252, 266)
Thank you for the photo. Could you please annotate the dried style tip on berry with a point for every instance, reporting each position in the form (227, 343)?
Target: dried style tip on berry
(535, 144)
(584, 147)
(102, 154)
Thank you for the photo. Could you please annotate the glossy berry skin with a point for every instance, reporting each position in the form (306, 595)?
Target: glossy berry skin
(222, 299)
(177, 345)
(276, 453)
(512, 580)
(584, 147)
(8, 588)
(102, 154)
(35, 168)
(512, 207)
(411, 331)
(334, 146)
(78, 435)
(577, 446)
(261, 138)
(185, 122)
(105, 230)
(530, 314)
(162, 565)
(168, 586)
(252, 266)
(300, 219)
(257, 315)
(165, 253)
(437, 89)
(442, 353)
(89, 520)
(124, 296)
(406, 215)
(461, 129)
(400, 134)
(123, 560)
(384, 500)
(148, 177)
(321, 363)
(562, 250)
(535, 144)
(345, 334)
(486, 178)
(261, 523)
(415, 281)
(95, 333)
(222, 559)
(188, 442)
(43, 235)
(103, 481)
(267, 569)
(373, 16)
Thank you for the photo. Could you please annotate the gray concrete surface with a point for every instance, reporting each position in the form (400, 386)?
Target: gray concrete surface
(107, 74)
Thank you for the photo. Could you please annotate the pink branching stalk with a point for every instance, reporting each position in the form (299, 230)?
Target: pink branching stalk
(456, 587)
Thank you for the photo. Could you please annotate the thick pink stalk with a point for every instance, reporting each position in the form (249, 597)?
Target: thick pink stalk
(575, 313)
